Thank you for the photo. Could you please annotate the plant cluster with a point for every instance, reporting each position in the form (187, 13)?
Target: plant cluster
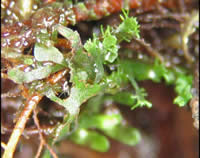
(71, 74)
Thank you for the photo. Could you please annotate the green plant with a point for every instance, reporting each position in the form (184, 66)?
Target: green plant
(93, 80)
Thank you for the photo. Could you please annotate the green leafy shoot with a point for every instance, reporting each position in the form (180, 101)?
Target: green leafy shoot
(93, 47)
(91, 139)
(110, 47)
(89, 78)
(140, 95)
(125, 98)
(183, 86)
(128, 28)
(156, 72)
(124, 134)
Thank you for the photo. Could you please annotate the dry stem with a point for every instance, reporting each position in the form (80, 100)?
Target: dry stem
(20, 125)
(151, 51)
(43, 141)
(3, 145)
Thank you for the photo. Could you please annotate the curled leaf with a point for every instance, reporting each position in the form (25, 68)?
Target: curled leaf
(43, 53)
(19, 76)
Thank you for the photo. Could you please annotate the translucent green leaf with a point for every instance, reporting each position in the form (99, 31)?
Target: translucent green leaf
(124, 134)
(112, 126)
(99, 121)
(91, 139)
(71, 35)
(43, 53)
(126, 98)
(20, 77)
(138, 69)
(63, 129)
(94, 104)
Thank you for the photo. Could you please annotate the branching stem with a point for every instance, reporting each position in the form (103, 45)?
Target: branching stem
(20, 125)
(42, 140)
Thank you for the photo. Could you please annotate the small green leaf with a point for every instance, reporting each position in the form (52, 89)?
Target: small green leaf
(124, 134)
(125, 98)
(112, 126)
(91, 139)
(140, 95)
(43, 53)
(94, 104)
(99, 121)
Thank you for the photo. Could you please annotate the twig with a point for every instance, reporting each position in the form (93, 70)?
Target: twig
(3, 145)
(46, 130)
(188, 28)
(57, 76)
(43, 141)
(150, 49)
(194, 104)
(39, 149)
(20, 125)
(182, 6)
(4, 75)
(10, 95)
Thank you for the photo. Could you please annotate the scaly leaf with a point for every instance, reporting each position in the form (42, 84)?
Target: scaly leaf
(19, 76)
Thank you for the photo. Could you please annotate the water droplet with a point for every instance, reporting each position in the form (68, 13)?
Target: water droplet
(17, 44)
(140, 56)
(151, 74)
(12, 3)
(35, 7)
(176, 60)
(107, 56)
(27, 69)
(8, 12)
